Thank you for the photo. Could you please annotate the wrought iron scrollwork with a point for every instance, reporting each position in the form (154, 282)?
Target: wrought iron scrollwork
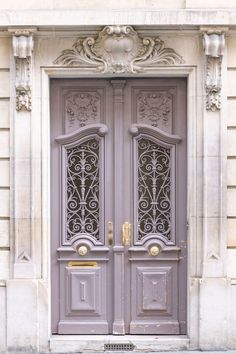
(83, 189)
(154, 189)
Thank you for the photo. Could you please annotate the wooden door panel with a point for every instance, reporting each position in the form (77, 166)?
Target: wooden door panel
(81, 287)
(118, 157)
(157, 123)
(154, 286)
(83, 298)
(154, 298)
(81, 293)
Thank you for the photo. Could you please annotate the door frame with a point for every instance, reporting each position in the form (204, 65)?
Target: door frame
(194, 234)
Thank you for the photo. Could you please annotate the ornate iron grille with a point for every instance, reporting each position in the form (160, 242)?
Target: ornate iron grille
(154, 186)
(83, 189)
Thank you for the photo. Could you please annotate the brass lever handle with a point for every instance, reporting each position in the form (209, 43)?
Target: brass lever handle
(110, 232)
(126, 231)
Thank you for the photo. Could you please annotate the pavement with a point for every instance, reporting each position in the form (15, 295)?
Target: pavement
(168, 352)
(148, 352)
(159, 352)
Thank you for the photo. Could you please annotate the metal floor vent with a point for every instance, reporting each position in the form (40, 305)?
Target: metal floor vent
(119, 346)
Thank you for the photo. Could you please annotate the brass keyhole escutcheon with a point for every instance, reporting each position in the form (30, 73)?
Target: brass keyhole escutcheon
(82, 250)
(154, 251)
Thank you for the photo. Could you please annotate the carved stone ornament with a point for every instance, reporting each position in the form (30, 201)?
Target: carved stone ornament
(22, 42)
(213, 45)
(24, 257)
(119, 49)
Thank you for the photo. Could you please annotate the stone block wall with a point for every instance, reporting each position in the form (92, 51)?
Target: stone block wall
(231, 185)
(36, 300)
(4, 181)
(231, 143)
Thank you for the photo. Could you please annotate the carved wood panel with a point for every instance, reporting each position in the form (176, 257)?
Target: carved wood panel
(154, 107)
(82, 108)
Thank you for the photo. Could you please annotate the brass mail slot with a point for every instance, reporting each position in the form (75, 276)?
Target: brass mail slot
(82, 264)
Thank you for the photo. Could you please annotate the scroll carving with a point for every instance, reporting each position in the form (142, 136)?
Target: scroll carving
(119, 49)
(155, 108)
(213, 45)
(22, 42)
(82, 108)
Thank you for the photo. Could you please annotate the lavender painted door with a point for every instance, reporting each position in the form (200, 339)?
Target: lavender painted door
(118, 206)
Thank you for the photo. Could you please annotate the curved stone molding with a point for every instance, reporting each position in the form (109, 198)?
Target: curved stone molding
(119, 49)
(22, 42)
(213, 43)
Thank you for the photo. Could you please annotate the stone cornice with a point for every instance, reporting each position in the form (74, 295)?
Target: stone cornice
(179, 17)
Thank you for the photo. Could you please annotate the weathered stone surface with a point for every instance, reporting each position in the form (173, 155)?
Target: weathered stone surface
(4, 233)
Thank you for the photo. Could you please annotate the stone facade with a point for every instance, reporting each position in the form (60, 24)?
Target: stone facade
(32, 37)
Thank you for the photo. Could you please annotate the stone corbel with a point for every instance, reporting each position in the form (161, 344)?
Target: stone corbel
(22, 42)
(213, 43)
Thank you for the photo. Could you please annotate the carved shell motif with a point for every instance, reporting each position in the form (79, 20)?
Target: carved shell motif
(118, 49)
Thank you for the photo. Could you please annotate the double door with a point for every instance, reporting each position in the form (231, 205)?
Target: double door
(118, 206)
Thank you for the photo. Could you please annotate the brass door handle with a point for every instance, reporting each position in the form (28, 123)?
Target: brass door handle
(110, 232)
(126, 232)
(82, 250)
(154, 250)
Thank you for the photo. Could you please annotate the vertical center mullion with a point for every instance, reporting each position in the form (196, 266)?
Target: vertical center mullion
(118, 248)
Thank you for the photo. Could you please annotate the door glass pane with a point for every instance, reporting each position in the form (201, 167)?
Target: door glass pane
(83, 189)
(154, 186)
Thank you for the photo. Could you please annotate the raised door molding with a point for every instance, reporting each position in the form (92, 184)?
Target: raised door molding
(118, 49)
